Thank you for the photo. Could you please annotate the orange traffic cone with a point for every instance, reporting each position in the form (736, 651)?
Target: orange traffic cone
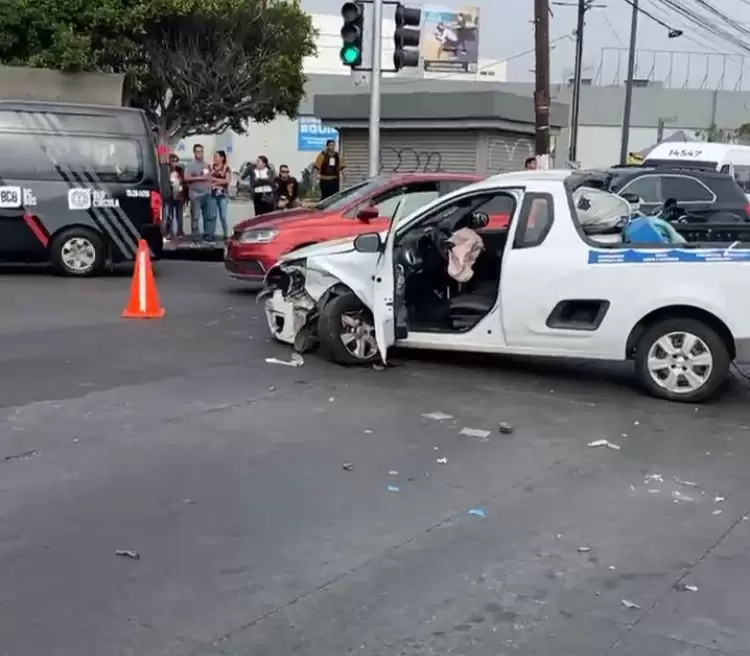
(144, 299)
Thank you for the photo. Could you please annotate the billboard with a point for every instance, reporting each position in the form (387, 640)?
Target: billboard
(450, 39)
(312, 134)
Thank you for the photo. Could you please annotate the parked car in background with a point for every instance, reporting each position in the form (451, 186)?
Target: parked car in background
(703, 196)
(258, 243)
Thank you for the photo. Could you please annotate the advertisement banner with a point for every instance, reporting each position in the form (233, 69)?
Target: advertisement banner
(450, 39)
(312, 134)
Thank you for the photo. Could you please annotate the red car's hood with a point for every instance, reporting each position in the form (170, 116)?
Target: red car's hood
(280, 218)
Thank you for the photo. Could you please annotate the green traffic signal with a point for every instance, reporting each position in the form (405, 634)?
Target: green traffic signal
(350, 55)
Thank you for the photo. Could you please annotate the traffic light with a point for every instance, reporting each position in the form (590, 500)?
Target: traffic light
(352, 33)
(406, 37)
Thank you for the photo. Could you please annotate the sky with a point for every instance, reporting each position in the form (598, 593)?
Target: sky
(606, 39)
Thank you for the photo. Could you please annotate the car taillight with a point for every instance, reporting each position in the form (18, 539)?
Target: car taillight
(155, 207)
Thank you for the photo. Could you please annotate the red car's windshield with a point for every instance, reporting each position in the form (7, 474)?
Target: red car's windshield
(341, 200)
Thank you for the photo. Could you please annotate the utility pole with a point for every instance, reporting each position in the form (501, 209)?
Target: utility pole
(576, 104)
(541, 93)
(376, 46)
(629, 85)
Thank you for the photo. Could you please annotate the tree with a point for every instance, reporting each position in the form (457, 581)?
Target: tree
(194, 66)
(714, 134)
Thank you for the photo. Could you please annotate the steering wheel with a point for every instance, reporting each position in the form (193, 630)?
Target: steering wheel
(438, 241)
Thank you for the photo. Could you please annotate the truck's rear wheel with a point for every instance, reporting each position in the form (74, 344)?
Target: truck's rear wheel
(78, 252)
(682, 360)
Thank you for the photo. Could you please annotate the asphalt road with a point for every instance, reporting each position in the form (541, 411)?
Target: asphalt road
(175, 439)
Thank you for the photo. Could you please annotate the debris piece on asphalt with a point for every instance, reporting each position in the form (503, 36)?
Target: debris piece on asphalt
(718, 499)
(442, 461)
(654, 477)
(437, 416)
(295, 361)
(612, 567)
(393, 472)
(331, 399)
(125, 553)
(272, 389)
(474, 432)
(393, 488)
(347, 466)
(654, 491)
(559, 536)
(681, 587)
(505, 428)
(717, 512)
(21, 456)
(606, 443)
(436, 448)
(75, 440)
(367, 431)
(630, 605)
(583, 549)
(679, 496)
(685, 483)
(190, 502)
(478, 512)
(636, 423)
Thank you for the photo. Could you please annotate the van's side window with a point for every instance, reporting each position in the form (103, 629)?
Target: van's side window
(52, 157)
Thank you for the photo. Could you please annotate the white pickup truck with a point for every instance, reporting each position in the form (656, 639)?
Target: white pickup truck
(543, 285)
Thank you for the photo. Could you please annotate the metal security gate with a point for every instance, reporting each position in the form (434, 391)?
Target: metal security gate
(507, 151)
(411, 151)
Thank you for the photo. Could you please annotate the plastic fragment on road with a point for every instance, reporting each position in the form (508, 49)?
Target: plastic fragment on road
(681, 587)
(478, 512)
(505, 428)
(393, 472)
(606, 443)
(295, 361)
(630, 605)
(717, 512)
(190, 502)
(394, 488)
(442, 461)
(21, 456)
(679, 496)
(654, 477)
(583, 549)
(347, 466)
(126, 553)
(718, 499)
(437, 416)
(685, 483)
(474, 432)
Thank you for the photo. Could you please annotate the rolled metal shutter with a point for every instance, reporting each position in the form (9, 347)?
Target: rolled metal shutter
(507, 151)
(411, 151)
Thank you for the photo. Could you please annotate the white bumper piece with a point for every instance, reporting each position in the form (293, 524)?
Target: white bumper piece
(285, 318)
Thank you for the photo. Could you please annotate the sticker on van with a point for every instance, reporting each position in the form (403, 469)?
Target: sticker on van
(10, 197)
(79, 199)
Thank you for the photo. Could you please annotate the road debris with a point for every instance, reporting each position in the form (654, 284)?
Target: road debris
(331, 399)
(630, 605)
(505, 428)
(475, 432)
(679, 496)
(442, 461)
(612, 567)
(654, 477)
(126, 553)
(367, 431)
(583, 549)
(681, 587)
(295, 361)
(654, 491)
(718, 499)
(606, 443)
(717, 512)
(685, 483)
(21, 456)
(478, 512)
(393, 472)
(347, 466)
(190, 502)
(437, 416)
(394, 488)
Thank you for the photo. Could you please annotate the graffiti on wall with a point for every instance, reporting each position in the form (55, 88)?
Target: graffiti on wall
(410, 160)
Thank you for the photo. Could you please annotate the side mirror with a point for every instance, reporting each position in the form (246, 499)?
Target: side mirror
(369, 242)
(368, 214)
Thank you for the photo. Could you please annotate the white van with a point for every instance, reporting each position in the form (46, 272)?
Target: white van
(726, 158)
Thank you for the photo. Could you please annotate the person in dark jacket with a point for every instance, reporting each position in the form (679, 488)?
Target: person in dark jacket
(262, 186)
(329, 165)
(287, 189)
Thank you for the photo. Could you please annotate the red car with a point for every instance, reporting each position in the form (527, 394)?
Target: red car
(257, 243)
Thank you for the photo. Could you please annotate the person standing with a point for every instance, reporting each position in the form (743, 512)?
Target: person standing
(287, 189)
(261, 183)
(329, 165)
(221, 178)
(176, 200)
(530, 164)
(198, 178)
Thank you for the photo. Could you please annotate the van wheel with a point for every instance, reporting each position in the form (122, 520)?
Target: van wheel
(346, 331)
(682, 360)
(78, 252)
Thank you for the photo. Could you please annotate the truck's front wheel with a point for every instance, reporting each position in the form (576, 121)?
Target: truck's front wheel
(682, 360)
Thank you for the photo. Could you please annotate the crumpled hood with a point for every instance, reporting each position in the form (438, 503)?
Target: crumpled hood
(333, 247)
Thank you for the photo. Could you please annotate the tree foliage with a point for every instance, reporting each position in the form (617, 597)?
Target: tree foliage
(715, 134)
(195, 66)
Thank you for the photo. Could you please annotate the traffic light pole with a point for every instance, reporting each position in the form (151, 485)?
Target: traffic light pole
(377, 43)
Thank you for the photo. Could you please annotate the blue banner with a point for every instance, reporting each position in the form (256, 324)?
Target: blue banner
(312, 134)
(668, 255)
